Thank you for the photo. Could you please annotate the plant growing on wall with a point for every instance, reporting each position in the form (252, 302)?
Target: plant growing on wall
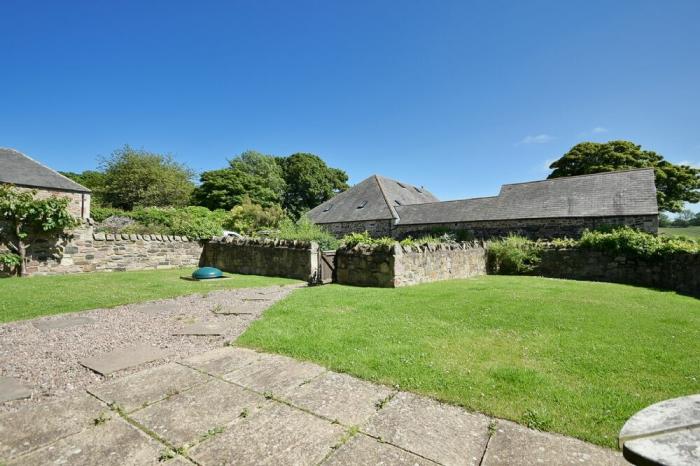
(23, 218)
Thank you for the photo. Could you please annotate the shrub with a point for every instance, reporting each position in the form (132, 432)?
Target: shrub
(626, 240)
(353, 239)
(10, 261)
(514, 255)
(248, 217)
(100, 214)
(197, 222)
(193, 221)
(305, 230)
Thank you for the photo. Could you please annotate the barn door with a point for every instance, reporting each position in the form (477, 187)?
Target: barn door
(327, 263)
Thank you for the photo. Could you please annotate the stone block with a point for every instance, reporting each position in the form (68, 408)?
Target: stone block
(123, 358)
(222, 360)
(515, 444)
(276, 374)
(442, 433)
(114, 442)
(147, 387)
(339, 397)
(185, 418)
(277, 434)
(42, 424)
(12, 389)
(62, 322)
(361, 449)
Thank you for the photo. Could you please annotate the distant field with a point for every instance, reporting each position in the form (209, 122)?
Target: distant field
(688, 232)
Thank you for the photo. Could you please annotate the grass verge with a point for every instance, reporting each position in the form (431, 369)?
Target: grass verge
(26, 298)
(688, 232)
(572, 357)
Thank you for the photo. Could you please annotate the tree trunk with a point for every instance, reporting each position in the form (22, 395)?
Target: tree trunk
(21, 251)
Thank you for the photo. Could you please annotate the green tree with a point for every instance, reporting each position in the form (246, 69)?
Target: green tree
(248, 217)
(93, 180)
(251, 174)
(675, 184)
(140, 178)
(24, 218)
(664, 220)
(310, 182)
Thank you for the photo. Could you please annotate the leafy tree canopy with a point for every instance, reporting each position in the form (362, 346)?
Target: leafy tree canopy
(310, 182)
(139, 178)
(93, 180)
(249, 218)
(251, 175)
(675, 184)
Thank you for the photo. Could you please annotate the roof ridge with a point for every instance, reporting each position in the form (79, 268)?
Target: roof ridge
(386, 200)
(46, 167)
(579, 176)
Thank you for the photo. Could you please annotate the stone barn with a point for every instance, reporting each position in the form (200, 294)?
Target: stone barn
(26, 173)
(537, 209)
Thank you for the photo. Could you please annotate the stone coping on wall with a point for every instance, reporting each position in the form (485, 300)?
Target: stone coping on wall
(266, 242)
(136, 237)
(398, 248)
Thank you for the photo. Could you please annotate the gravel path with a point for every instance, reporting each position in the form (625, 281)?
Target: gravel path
(47, 360)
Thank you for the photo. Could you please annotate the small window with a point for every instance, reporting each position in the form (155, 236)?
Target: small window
(328, 207)
(397, 202)
(362, 204)
(401, 184)
(420, 191)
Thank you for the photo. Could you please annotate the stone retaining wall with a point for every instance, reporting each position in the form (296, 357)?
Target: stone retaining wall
(395, 266)
(679, 272)
(83, 250)
(278, 258)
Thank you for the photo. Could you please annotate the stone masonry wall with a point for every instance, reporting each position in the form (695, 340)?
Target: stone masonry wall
(532, 228)
(679, 272)
(395, 266)
(376, 228)
(78, 203)
(279, 258)
(85, 251)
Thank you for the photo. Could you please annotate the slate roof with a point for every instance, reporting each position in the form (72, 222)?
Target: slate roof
(622, 193)
(17, 168)
(375, 198)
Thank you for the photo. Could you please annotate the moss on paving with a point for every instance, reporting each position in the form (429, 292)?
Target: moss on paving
(26, 298)
(573, 357)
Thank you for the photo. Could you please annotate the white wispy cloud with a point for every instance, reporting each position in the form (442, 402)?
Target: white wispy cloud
(599, 130)
(538, 139)
(688, 162)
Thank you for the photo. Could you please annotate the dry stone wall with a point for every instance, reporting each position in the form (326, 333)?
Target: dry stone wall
(679, 272)
(376, 228)
(271, 257)
(395, 266)
(83, 250)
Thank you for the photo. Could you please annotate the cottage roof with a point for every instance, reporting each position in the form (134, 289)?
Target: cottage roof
(17, 168)
(375, 198)
(620, 193)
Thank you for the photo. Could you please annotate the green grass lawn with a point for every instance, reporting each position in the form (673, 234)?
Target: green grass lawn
(688, 232)
(572, 357)
(25, 298)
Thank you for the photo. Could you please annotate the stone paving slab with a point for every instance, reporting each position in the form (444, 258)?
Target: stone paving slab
(445, 434)
(277, 434)
(146, 387)
(185, 418)
(340, 397)
(37, 426)
(113, 443)
(276, 374)
(361, 449)
(123, 358)
(513, 444)
(222, 360)
(12, 389)
(202, 329)
(63, 322)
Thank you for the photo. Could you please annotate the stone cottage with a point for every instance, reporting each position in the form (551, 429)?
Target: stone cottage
(26, 173)
(537, 209)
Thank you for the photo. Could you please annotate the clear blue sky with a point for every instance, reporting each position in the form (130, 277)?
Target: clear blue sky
(458, 96)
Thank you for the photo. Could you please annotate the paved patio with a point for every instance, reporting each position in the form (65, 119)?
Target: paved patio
(236, 406)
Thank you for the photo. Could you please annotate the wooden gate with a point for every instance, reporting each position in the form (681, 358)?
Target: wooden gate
(327, 266)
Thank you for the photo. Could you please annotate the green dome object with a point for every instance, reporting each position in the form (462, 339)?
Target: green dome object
(207, 272)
